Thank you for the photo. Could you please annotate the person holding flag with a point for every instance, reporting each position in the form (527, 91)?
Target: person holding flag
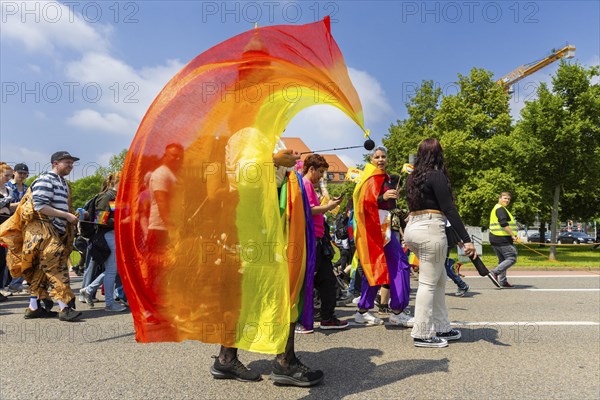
(379, 252)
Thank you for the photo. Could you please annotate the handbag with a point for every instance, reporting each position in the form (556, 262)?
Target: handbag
(100, 250)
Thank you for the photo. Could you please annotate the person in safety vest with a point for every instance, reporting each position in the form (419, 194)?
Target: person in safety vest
(503, 233)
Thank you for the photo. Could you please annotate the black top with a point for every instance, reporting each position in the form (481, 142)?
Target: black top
(386, 204)
(503, 220)
(103, 204)
(437, 196)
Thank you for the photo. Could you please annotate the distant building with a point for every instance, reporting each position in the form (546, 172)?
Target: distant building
(337, 168)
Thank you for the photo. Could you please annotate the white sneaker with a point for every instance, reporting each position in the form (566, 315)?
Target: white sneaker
(367, 318)
(356, 300)
(401, 319)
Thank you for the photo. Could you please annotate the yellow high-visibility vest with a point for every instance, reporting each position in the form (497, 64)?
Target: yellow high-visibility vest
(495, 227)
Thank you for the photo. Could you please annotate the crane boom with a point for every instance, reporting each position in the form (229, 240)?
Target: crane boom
(527, 69)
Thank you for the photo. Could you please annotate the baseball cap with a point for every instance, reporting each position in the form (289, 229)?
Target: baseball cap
(61, 155)
(21, 168)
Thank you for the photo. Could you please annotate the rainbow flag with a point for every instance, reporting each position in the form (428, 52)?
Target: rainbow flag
(301, 250)
(369, 232)
(233, 268)
(102, 217)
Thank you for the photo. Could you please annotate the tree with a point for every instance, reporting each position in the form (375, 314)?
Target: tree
(480, 108)
(345, 189)
(85, 188)
(474, 127)
(404, 137)
(563, 128)
(115, 164)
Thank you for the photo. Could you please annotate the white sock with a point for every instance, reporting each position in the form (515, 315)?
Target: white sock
(33, 304)
(61, 305)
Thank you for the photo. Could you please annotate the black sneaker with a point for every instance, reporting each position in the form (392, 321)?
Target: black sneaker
(3, 297)
(296, 374)
(234, 369)
(39, 313)
(383, 310)
(431, 342)
(47, 304)
(317, 315)
(452, 334)
(68, 314)
(334, 323)
(494, 278)
(378, 301)
(461, 292)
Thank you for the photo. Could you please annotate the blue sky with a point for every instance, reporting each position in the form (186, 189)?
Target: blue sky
(80, 75)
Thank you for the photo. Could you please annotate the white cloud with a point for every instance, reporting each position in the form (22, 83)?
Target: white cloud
(44, 26)
(36, 161)
(34, 68)
(40, 115)
(125, 90)
(79, 52)
(104, 158)
(325, 127)
(375, 104)
(110, 122)
(526, 89)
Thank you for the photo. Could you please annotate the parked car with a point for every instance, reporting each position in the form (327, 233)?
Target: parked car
(574, 237)
(535, 237)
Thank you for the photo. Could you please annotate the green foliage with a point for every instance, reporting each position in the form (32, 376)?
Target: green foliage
(85, 188)
(404, 138)
(572, 258)
(480, 108)
(474, 129)
(115, 164)
(30, 180)
(345, 189)
(556, 142)
(562, 128)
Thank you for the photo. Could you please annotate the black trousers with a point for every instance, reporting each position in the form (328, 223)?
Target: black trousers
(325, 282)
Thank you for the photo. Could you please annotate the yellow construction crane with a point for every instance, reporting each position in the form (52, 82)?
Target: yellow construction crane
(524, 70)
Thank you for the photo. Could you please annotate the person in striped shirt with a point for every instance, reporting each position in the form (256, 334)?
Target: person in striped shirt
(47, 241)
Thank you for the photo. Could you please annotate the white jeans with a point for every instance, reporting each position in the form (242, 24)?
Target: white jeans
(425, 235)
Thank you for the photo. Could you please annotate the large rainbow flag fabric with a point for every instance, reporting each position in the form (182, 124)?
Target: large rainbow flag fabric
(232, 263)
(369, 232)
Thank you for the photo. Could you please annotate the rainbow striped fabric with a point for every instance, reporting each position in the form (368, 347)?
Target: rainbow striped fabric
(369, 232)
(232, 268)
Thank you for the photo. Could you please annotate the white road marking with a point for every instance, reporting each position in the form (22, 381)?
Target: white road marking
(564, 290)
(511, 277)
(529, 323)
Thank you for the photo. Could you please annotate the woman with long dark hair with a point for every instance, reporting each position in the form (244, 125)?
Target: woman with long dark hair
(431, 202)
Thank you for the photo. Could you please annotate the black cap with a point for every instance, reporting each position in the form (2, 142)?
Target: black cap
(21, 168)
(61, 155)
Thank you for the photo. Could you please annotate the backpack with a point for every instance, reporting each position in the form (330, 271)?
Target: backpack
(89, 230)
(341, 226)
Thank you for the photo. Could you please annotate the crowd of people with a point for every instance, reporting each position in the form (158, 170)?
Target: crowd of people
(39, 229)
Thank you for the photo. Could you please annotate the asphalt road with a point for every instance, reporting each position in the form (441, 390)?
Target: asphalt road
(540, 340)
